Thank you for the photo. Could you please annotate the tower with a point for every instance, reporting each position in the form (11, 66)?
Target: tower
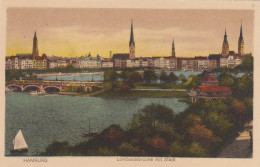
(131, 43)
(173, 49)
(241, 42)
(35, 51)
(225, 46)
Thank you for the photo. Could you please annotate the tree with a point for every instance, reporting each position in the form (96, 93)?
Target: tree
(127, 149)
(172, 78)
(182, 78)
(152, 116)
(110, 75)
(247, 64)
(163, 77)
(113, 136)
(149, 76)
(135, 77)
(226, 79)
(244, 87)
(57, 149)
(155, 145)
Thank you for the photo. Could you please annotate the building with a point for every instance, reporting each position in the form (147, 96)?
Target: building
(241, 42)
(173, 49)
(209, 79)
(214, 60)
(131, 43)
(231, 61)
(26, 63)
(201, 63)
(52, 64)
(39, 62)
(107, 63)
(209, 92)
(225, 46)
(35, 51)
(209, 89)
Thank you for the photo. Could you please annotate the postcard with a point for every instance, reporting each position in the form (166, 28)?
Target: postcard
(129, 83)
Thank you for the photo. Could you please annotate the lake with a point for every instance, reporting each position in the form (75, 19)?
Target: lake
(44, 119)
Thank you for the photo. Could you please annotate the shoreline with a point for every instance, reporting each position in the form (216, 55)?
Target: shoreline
(68, 74)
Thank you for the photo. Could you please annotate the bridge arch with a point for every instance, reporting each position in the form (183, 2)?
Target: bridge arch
(52, 89)
(31, 87)
(14, 87)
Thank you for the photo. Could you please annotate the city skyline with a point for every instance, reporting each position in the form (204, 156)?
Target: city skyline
(76, 32)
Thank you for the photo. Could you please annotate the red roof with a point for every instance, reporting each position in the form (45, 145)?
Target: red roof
(213, 88)
(209, 77)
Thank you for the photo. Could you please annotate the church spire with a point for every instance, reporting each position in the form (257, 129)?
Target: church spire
(225, 46)
(241, 41)
(132, 35)
(35, 36)
(35, 51)
(132, 43)
(241, 32)
(173, 49)
(225, 37)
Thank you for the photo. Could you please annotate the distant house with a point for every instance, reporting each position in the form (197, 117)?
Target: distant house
(209, 89)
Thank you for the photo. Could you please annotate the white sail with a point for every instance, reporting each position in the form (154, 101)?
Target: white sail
(19, 142)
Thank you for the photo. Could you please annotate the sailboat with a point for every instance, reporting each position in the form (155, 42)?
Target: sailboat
(91, 134)
(19, 143)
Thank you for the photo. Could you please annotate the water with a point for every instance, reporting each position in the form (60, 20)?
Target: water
(44, 119)
(91, 77)
(100, 77)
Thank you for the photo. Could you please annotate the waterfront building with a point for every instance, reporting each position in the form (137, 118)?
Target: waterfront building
(26, 63)
(209, 89)
(201, 63)
(232, 60)
(52, 64)
(107, 63)
(120, 60)
(214, 59)
(40, 62)
(179, 63)
(173, 63)
(62, 63)
(144, 62)
(8, 63)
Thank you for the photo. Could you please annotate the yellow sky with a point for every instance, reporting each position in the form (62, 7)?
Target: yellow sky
(76, 32)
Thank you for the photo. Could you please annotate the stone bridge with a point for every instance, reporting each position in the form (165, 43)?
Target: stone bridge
(60, 86)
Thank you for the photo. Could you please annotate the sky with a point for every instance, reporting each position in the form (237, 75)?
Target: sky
(75, 32)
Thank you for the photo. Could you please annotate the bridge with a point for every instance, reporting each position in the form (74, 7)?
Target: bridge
(59, 86)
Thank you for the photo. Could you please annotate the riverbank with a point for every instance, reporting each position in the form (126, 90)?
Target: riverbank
(68, 74)
(144, 93)
(81, 94)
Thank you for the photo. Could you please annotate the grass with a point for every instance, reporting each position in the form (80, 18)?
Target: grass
(140, 93)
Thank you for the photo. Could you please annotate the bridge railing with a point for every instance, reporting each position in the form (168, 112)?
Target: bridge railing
(57, 83)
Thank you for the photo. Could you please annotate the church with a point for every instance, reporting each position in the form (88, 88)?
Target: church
(230, 58)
